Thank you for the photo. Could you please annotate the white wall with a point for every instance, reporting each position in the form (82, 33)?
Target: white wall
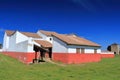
(20, 43)
(22, 46)
(47, 38)
(59, 46)
(1, 50)
(20, 37)
(30, 45)
(98, 50)
(89, 51)
(24, 43)
(12, 43)
(107, 52)
(42, 35)
(72, 49)
(5, 42)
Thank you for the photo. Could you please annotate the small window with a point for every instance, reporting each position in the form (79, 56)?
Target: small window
(50, 39)
(95, 51)
(77, 50)
(82, 50)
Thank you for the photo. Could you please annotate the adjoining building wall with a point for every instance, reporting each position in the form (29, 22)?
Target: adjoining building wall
(12, 43)
(76, 58)
(19, 43)
(59, 46)
(22, 46)
(73, 58)
(115, 48)
(5, 42)
(49, 39)
(44, 37)
(26, 58)
(107, 54)
(20, 37)
(30, 45)
(87, 49)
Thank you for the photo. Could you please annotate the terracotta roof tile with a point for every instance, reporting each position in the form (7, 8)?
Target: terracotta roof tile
(47, 33)
(9, 32)
(28, 34)
(44, 43)
(33, 35)
(75, 40)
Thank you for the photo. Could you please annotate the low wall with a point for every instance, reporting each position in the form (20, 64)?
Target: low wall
(68, 58)
(83, 58)
(62, 57)
(107, 54)
(22, 56)
(72, 58)
(76, 58)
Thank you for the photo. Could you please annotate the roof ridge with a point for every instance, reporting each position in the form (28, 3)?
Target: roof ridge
(48, 31)
(44, 43)
(75, 40)
(9, 32)
(30, 34)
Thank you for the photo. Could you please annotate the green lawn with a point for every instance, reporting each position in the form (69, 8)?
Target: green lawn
(107, 69)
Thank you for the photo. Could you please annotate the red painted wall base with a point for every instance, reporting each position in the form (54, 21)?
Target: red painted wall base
(73, 58)
(68, 58)
(21, 56)
(107, 55)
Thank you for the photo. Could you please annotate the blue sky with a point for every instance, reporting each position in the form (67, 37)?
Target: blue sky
(96, 20)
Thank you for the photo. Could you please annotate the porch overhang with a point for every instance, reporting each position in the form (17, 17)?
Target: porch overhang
(43, 43)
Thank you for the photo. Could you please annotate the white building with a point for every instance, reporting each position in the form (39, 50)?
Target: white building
(62, 43)
(46, 41)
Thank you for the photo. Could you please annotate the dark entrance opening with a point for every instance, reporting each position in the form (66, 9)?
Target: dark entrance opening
(41, 51)
(50, 53)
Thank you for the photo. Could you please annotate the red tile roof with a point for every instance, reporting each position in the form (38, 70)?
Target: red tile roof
(28, 34)
(70, 39)
(47, 33)
(33, 35)
(9, 32)
(44, 43)
(75, 40)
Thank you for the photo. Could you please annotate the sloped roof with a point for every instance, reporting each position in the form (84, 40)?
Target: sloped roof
(28, 34)
(9, 32)
(44, 43)
(47, 33)
(68, 39)
(75, 40)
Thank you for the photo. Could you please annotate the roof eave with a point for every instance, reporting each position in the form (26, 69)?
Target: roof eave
(85, 45)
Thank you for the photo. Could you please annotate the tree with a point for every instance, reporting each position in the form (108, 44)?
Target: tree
(109, 48)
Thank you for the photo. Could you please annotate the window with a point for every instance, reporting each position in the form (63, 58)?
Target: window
(95, 50)
(50, 39)
(77, 50)
(82, 50)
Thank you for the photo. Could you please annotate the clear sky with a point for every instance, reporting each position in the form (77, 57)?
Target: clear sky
(96, 20)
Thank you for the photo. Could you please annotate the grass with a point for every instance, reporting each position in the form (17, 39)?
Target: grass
(12, 69)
